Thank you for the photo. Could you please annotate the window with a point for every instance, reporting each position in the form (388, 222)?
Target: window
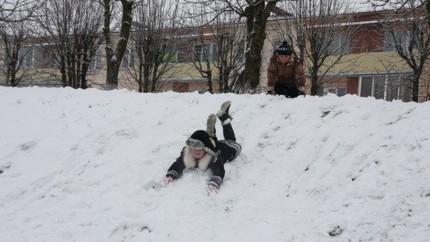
(240, 52)
(26, 57)
(366, 87)
(54, 60)
(197, 52)
(183, 53)
(205, 52)
(386, 87)
(96, 61)
(402, 39)
(339, 91)
(171, 55)
(6, 58)
(128, 60)
(379, 87)
(215, 52)
(398, 87)
(24, 60)
(181, 57)
(373, 86)
(340, 45)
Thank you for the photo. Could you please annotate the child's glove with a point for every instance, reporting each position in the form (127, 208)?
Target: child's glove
(214, 183)
(168, 180)
(212, 188)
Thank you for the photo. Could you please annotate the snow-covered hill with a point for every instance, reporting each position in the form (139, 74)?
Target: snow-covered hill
(86, 166)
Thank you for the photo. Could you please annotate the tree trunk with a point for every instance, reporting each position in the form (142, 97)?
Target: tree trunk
(154, 78)
(112, 75)
(210, 86)
(140, 77)
(256, 20)
(314, 80)
(63, 70)
(428, 12)
(114, 57)
(146, 69)
(415, 85)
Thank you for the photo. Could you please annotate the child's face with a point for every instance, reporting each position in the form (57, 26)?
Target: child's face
(198, 153)
(284, 58)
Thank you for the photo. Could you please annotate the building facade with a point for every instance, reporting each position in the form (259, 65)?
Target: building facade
(370, 67)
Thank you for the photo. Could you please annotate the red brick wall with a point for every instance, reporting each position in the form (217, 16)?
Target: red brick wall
(352, 85)
(368, 38)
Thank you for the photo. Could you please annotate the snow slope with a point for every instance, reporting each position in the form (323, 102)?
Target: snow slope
(86, 166)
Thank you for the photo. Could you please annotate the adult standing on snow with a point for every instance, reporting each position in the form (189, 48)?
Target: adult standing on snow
(204, 151)
(285, 74)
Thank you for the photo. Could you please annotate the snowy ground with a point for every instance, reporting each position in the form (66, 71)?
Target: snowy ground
(86, 166)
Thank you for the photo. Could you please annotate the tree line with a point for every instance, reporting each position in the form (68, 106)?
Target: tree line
(71, 32)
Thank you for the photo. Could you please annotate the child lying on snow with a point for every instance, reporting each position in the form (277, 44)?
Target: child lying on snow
(205, 151)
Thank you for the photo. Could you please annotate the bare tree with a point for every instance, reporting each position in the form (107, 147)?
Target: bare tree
(323, 28)
(115, 52)
(14, 16)
(70, 37)
(17, 52)
(255, 14)
(409, 33)
(218, 53)
(203, 57)
(229, 38)
(153, 41)
(404, 4)
(17, 10)
(204, 50)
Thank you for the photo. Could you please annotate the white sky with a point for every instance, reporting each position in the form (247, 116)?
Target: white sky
(86, 166)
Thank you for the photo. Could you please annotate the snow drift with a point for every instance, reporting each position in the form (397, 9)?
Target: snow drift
(86, 166)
